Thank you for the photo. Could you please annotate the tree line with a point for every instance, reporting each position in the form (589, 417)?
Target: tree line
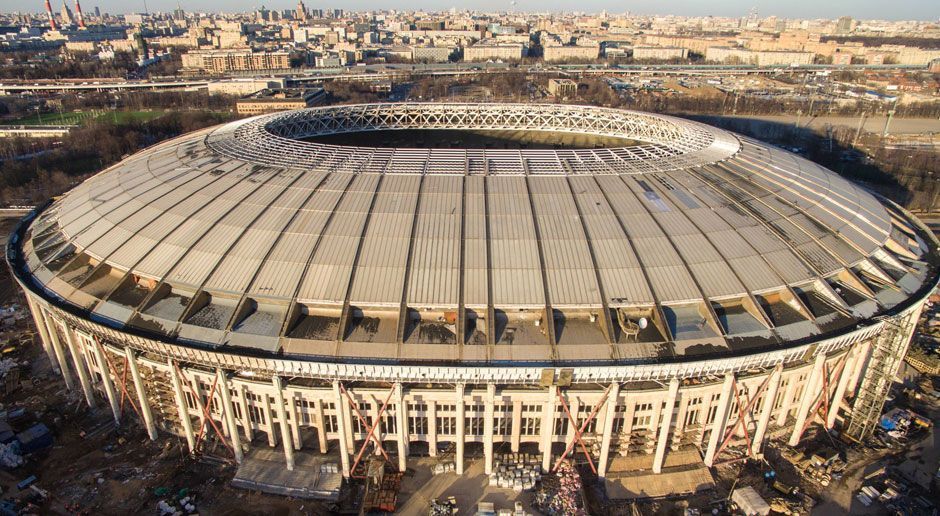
(52, 170)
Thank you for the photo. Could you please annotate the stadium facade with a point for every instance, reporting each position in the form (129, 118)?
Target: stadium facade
(693, 288)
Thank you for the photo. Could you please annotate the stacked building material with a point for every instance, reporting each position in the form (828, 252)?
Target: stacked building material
(443, 467)
(516, 471)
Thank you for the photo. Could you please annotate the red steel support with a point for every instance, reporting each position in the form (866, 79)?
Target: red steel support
(206, 409)
(371, 428)
(123, 385)
(124, 393)
(822, 398)
(207, 416)
(742, 412)
(577, 435)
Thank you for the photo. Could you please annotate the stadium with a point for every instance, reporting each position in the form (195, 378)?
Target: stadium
(560, 280)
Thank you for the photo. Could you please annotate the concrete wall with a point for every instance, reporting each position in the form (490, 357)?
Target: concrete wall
(646, 417)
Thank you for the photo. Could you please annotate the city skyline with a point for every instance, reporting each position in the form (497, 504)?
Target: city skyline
(920, 10)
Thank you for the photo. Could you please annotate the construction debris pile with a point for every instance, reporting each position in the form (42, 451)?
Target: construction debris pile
(11, 315)
(900, 425)
(820, 466)
(10, 457)
(516, 471)
(895, 492)
(182, 504)
(560, 494)
(446, 507)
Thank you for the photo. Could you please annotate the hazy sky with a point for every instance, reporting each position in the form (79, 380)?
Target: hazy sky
(868, 9)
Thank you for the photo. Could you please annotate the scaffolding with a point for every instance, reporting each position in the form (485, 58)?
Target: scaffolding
(888, 350)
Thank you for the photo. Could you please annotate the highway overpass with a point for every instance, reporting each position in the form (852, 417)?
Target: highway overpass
(400, 71)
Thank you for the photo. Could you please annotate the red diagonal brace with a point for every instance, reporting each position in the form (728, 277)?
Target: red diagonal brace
(823, 396)
(729, 432)
(206, 415)
(124, 384)
(123, 387)
(825, 391)
(370, 428)
(206, 408)
(577, 435)
(742, 412)
(574, 424)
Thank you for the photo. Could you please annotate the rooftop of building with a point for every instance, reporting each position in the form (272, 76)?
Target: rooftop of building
(282, 94)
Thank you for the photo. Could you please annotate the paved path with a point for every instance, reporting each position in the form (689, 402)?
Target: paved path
(872, 124)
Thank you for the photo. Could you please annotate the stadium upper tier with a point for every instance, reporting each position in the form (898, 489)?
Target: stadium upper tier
(693, 243)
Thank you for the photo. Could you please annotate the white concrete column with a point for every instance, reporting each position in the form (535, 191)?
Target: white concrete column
(182, 407)
(721, 416)
(770, 395)
(787, 400)
(837, 396)
(81, 367)
(574, 407)
(268, 419)
(44, 338)
(681, 414)
(59, 352)
(401, 418)
(607, 433)
(548, 427)
(195, 385)
(246, 415)
(461, 426)
(657, 417)
(321, 426)
(666, 426)
(861, 360)
(348, 415)
(627, 432)
(432, 427)
(516, 436)
(106, 381)
(341, 423)
(228, 410)
(286, 441)
(142, 398)
(294, 414)
(810, 390)
(488, 413)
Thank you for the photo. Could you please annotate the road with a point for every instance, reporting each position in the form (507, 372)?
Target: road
(873, 124)
(387, 71)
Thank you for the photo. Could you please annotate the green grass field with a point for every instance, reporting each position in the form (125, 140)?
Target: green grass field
(80, 117)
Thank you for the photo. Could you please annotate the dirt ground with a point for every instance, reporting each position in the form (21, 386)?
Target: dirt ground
(95, 467)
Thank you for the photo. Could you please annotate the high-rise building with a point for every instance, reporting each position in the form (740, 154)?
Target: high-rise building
(301, 11)
(844, 25)
(66, 14)
(143, 51)
(240, 60)
(263, 15)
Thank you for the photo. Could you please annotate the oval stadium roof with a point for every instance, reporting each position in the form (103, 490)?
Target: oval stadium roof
(694, 242)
